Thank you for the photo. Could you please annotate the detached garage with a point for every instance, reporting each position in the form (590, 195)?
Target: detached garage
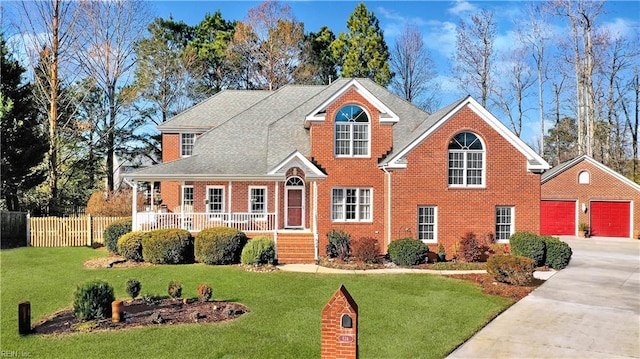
(584, 190)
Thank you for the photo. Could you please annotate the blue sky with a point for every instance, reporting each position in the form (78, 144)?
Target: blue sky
(436, 20)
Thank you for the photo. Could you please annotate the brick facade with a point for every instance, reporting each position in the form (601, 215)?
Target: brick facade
(602, 186)
(424, 182)
(338, 342)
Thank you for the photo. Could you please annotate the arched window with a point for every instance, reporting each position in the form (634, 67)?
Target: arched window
(466, 161)
(351, 132)
(294, 181)
(583, 177)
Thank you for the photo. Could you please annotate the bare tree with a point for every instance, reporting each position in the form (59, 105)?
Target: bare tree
(516, 80)
(582, 15)
(110, 31)
(50, 38)
(535, 33)
(414, 70)
(272, 38)
(631, 110)
(474, 57)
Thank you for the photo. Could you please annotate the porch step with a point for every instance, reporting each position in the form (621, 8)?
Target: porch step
(295, 248)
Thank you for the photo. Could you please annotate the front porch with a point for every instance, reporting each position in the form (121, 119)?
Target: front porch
(196, 222)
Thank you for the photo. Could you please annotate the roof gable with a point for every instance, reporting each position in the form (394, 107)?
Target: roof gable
(318, 113)
(535, 163)
(561, 168)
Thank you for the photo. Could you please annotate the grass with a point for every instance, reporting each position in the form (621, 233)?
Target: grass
(400, 316)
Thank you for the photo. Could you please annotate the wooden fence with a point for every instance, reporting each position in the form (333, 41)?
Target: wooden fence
(68, 231)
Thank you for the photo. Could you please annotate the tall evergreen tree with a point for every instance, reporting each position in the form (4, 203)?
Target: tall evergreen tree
(23, 141)
(320, 55)
(362, 52)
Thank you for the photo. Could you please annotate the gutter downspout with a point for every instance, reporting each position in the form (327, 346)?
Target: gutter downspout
(388, 229)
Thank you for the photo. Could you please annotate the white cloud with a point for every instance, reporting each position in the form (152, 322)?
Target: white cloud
(460, 7)
(619, 28)
(396, 22)
(441, 37)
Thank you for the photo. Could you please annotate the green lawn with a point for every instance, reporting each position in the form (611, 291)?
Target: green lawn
(400, 316)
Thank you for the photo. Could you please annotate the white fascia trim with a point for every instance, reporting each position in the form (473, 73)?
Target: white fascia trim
(196, 130)
(487, 117)
(386, 115)
(202, 177)
(316, 173)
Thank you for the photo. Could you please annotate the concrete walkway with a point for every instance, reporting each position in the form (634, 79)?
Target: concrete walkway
(591, 309)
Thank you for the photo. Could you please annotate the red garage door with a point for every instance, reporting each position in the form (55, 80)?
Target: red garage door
(558, 218)
(610, 219)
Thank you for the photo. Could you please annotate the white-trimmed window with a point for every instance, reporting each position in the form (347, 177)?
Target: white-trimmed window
(215, 199)
(258, 199)
(505, 223)
(186, 144)
(583, 177)
(352, 132)
(187, 198)
(466, 161)
(351, 204)
(428, 224)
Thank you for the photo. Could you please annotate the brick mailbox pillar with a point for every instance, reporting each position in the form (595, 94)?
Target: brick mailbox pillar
(340, 326)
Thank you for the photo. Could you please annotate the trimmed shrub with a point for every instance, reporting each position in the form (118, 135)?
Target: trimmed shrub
(558, 253)
(511, 269)
(219, 245)
(133, 288)
(204, 292)
(528, 245)
(470, 250)
(339, 244)
(408, 251)
(130, 246)
(93, 300)
(167, 246)
(260, 250)
(365, 249)
(174, 289)
(113, 232)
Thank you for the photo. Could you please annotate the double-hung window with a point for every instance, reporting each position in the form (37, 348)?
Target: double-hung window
(215, 199)
(258, 199)
(351, 204)
(466, 161)
(428, 224)
(505, 223)
(186, 144)
(187, 198)
(351, 132)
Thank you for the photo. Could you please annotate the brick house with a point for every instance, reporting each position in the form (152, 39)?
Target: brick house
(303, 160)
(584, 190)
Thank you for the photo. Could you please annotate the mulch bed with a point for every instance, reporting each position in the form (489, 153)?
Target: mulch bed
(137, 313)
(492, 287)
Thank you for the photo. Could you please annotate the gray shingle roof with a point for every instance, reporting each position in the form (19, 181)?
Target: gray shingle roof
(214, 110)
(252, 135)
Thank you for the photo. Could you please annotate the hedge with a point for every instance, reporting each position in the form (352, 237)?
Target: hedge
(529, 245)
(558, 253)
(511, 269)
(408, 251)
(130, 245)
(260, 250)
(219, 245)
(113, 232)
(168, 246)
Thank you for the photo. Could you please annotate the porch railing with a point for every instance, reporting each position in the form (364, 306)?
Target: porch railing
(195, 222)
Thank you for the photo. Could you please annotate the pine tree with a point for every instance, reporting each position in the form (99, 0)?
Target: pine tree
(23, 142)
(363, 52)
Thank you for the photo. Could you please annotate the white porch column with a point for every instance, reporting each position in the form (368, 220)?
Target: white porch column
(229, 204)
(315, 219)
(277, 219)
(153, 190)
(134, 207)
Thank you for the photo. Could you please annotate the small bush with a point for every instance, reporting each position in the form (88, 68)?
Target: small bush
(133, 288)
(511, 269)
(113, 232)
(130, 246)
(558, 253)
(151, 299)
(339, 244)
(204, 292)
(408, 251)
(365, 249)
(470, 249)
(175, 289)
(528, 245)
(219, 245)
(168, 246)
(93, 300)
(260, 250)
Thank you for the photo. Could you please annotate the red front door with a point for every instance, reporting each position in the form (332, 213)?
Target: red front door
(558, 218)
(610, 219)
(294, 207)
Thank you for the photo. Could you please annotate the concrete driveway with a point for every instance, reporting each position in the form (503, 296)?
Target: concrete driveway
(591, 309)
